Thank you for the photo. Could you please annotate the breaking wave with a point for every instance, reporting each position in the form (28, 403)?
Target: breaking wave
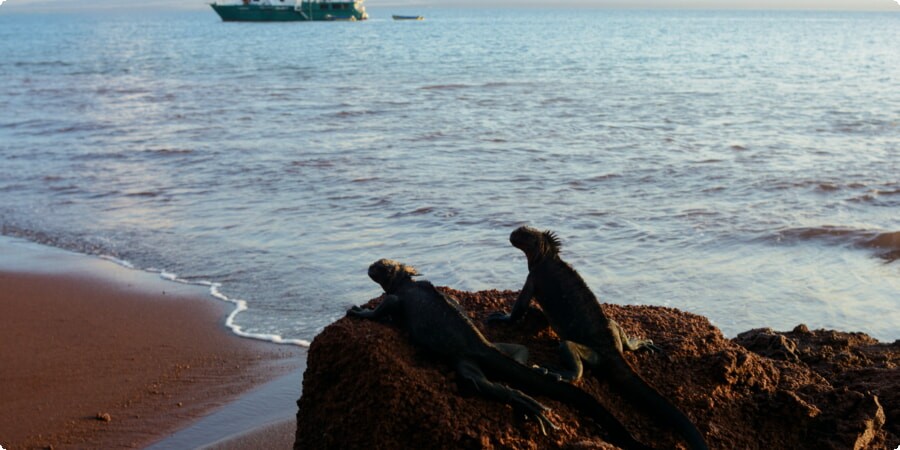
(239, 305)
(877, 240)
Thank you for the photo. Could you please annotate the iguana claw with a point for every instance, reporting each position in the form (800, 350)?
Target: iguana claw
(498, 316)
(535, 410)
(543, 421)
(653, 348)
(355, 311)
(547, 372)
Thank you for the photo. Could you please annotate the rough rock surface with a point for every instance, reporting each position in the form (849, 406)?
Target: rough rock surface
(367, 387)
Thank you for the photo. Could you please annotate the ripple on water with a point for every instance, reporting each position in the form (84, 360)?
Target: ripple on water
(284, 173)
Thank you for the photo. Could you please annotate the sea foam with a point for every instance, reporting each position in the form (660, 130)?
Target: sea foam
(214, 290)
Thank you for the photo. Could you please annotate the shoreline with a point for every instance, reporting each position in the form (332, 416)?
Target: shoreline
(99, 355)
(262, 418)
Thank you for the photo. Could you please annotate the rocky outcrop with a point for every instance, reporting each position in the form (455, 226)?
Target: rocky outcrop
(851, 362)
(367, 387)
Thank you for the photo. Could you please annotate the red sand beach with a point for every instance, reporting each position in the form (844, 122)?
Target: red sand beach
(95, 355)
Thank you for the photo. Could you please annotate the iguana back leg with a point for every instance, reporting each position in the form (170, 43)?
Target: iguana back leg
(520, 354)
(469, 371)
(574, 357)
(514, 351)
(631, 344)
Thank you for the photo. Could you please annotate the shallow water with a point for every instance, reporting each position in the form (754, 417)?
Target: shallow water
(739, 165)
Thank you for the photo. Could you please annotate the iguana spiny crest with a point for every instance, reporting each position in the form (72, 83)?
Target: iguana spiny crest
(535, 242)
(387, 272)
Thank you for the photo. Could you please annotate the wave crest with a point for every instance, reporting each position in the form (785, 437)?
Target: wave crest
(877, 240)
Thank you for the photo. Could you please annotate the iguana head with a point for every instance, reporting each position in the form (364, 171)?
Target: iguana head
(535, 243)
(387, 273)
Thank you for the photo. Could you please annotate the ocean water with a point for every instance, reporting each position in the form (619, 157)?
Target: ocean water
(740, 165)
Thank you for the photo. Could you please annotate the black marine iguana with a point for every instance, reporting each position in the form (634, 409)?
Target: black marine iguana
(586, 332)
(437, 323)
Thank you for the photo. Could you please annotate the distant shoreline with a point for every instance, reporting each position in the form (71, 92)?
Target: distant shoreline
(385, 11)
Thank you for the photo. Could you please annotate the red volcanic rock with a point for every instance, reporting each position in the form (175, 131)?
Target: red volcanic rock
(367, 387)
(853, 362)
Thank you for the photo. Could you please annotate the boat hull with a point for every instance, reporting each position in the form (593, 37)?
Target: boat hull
(285, 13)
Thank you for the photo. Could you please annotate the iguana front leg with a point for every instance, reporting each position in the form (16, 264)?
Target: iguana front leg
(469, 371)
(388, 305)
(519, 308)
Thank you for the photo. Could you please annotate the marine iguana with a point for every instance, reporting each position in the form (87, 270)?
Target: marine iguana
(437, 323)
(588, 336)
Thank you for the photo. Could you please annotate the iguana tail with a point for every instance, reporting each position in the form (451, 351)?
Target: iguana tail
(535, 383)
(636, 390)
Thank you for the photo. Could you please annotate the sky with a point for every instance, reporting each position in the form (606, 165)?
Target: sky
(861, 5)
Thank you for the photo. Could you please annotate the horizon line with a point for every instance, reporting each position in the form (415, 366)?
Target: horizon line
(47, 8)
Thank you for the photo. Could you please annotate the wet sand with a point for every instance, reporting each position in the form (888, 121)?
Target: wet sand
(98, 356)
